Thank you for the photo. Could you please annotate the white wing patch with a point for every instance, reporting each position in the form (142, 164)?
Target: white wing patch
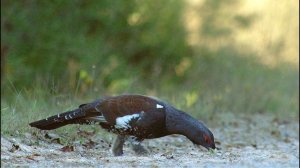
(159, 106)
(123, 122)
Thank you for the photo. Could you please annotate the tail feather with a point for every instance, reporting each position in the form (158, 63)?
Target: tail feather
(60, 120)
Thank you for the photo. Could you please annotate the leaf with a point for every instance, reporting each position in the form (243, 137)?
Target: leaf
(53, 137)
(14, 148)
(31, 157)
(85, 133)
(191, 98)
(67, 148)
(90, 144)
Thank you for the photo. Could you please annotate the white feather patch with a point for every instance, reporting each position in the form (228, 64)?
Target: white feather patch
(123, 122)
(159, 106)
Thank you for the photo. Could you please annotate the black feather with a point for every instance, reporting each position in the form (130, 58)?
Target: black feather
(59, 120)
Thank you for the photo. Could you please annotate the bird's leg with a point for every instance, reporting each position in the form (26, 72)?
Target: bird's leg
(139, 149)
(136, 146)
(117, 147)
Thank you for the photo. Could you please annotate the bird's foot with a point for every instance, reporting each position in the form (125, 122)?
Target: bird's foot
(139, 149)
(117, 151)
(136, 146)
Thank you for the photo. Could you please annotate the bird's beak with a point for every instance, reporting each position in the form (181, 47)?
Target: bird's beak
(211, 147)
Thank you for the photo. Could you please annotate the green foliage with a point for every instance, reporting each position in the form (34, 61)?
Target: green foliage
(117, 37)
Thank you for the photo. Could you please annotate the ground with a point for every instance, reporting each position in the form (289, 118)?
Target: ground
(256, 141)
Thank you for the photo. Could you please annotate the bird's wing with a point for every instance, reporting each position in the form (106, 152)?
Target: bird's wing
(119, 106)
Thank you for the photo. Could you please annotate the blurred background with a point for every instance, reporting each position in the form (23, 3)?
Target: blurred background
(203, 56)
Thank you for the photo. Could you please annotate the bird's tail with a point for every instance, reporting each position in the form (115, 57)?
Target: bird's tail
(59, 120)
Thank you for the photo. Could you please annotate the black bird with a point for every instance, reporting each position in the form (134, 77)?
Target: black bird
(135, 116)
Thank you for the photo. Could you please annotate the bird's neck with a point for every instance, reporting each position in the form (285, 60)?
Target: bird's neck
(178, 122)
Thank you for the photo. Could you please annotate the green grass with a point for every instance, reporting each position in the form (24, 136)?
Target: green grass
(26, 107)
(237, 82)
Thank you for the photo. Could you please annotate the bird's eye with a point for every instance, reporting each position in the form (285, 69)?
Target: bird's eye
(207, 139)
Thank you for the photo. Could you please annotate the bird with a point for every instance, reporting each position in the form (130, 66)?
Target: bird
(134, 118)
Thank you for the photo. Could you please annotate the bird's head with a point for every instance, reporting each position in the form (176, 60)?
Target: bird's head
(179, 122)
(203, 136)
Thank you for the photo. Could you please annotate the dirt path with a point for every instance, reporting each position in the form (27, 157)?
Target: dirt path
(259, 141)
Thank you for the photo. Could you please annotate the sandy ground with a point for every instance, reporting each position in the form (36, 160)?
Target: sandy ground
(257, 141)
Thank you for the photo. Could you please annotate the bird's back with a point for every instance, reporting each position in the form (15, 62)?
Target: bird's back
(118, 106)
